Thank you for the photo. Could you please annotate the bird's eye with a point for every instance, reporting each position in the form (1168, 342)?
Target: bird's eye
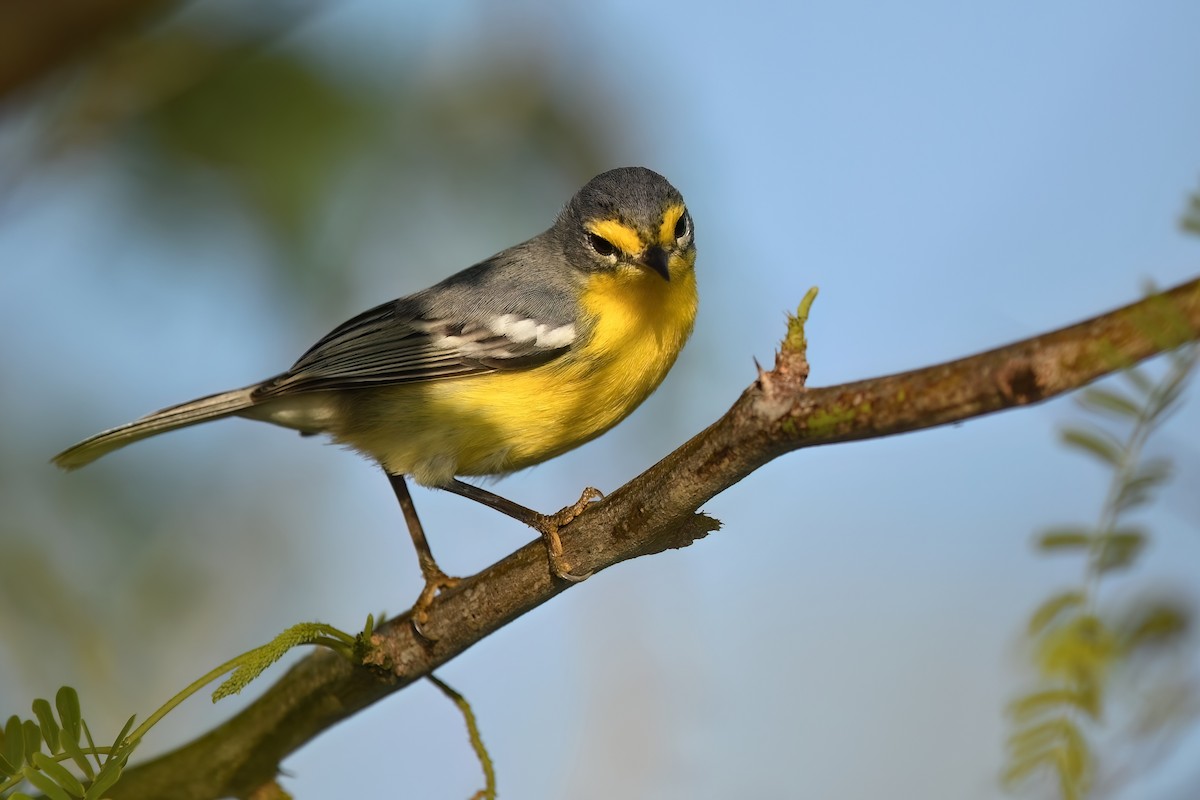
(684, 226)
(601, 245)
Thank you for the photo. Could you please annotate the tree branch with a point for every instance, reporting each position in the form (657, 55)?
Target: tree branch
(656, 511)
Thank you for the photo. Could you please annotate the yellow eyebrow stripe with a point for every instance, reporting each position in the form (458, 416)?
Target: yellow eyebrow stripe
(666, 233)
(620, 234)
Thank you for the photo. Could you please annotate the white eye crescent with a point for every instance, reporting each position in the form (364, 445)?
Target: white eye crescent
(683, 228)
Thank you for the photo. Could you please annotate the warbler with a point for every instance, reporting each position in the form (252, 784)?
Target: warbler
(515, 360)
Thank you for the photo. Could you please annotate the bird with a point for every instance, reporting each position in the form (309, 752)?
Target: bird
(510, 362)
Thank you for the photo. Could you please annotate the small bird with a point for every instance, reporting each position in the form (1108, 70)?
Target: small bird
(515, 360)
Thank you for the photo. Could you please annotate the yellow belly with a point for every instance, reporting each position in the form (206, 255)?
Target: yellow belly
(633, 326)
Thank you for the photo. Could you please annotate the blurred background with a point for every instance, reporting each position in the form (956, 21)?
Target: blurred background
(193, 193)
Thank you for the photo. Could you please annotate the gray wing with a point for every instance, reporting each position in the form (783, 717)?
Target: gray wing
(448, 331)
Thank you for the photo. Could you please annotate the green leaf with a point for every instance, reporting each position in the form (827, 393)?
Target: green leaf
(1096, 442)
(14, 741)
(49, 726)
(1119, 548)
(1080, 651)
(1055, 743)
(7, 768)
(1088, 698)
(106, 779)
(91, 744)
(1159, 624)
(1169, 396)
(1076, 757)
(44, 784)
(1048, 611)
(1130, 498)
(1110, 401)
(67, 702)
(1028, 742)
(33, 738)
(71, 748)
(119, 743)
(1034, 704)
(1065, 539)
(1136, 489)
(58, 773)
(1153, 471)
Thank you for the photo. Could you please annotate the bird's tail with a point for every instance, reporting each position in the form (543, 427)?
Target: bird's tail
(214, 406)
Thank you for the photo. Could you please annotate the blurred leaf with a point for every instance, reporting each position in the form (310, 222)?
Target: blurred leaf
(1191, 216)
(1072, 538)
(1118, 549)
(273, 125)
(1075, 757)
(1048, 611)
(1081, 651)
(1088, 699)
(1025, 708)
(125, 81)
(1171, 392)
(1110, 401)
(1132, 494)
(1057, 745)
(1028, 742)
(1139, 380)
(1151, 472)
(1021, 768)
(1096, 442)
(1154, 625)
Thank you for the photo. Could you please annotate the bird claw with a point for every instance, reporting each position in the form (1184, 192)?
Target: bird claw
(550, 524)
(435, 583)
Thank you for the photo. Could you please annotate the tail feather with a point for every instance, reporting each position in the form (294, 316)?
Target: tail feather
(201, 410)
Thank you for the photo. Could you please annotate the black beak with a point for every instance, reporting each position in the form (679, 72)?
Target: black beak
(656, 259)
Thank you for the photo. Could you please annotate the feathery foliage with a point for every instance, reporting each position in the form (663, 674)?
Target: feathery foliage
(1075, 648)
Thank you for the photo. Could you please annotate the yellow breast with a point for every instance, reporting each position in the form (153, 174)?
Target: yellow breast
(632, 326)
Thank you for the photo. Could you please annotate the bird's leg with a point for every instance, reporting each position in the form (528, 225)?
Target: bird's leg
(548, 525)
(435, 579)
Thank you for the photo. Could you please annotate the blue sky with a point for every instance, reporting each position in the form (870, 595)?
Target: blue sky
(952, 176)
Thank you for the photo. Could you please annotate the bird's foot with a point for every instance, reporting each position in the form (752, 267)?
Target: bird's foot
(548, 525)
(435, 582)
